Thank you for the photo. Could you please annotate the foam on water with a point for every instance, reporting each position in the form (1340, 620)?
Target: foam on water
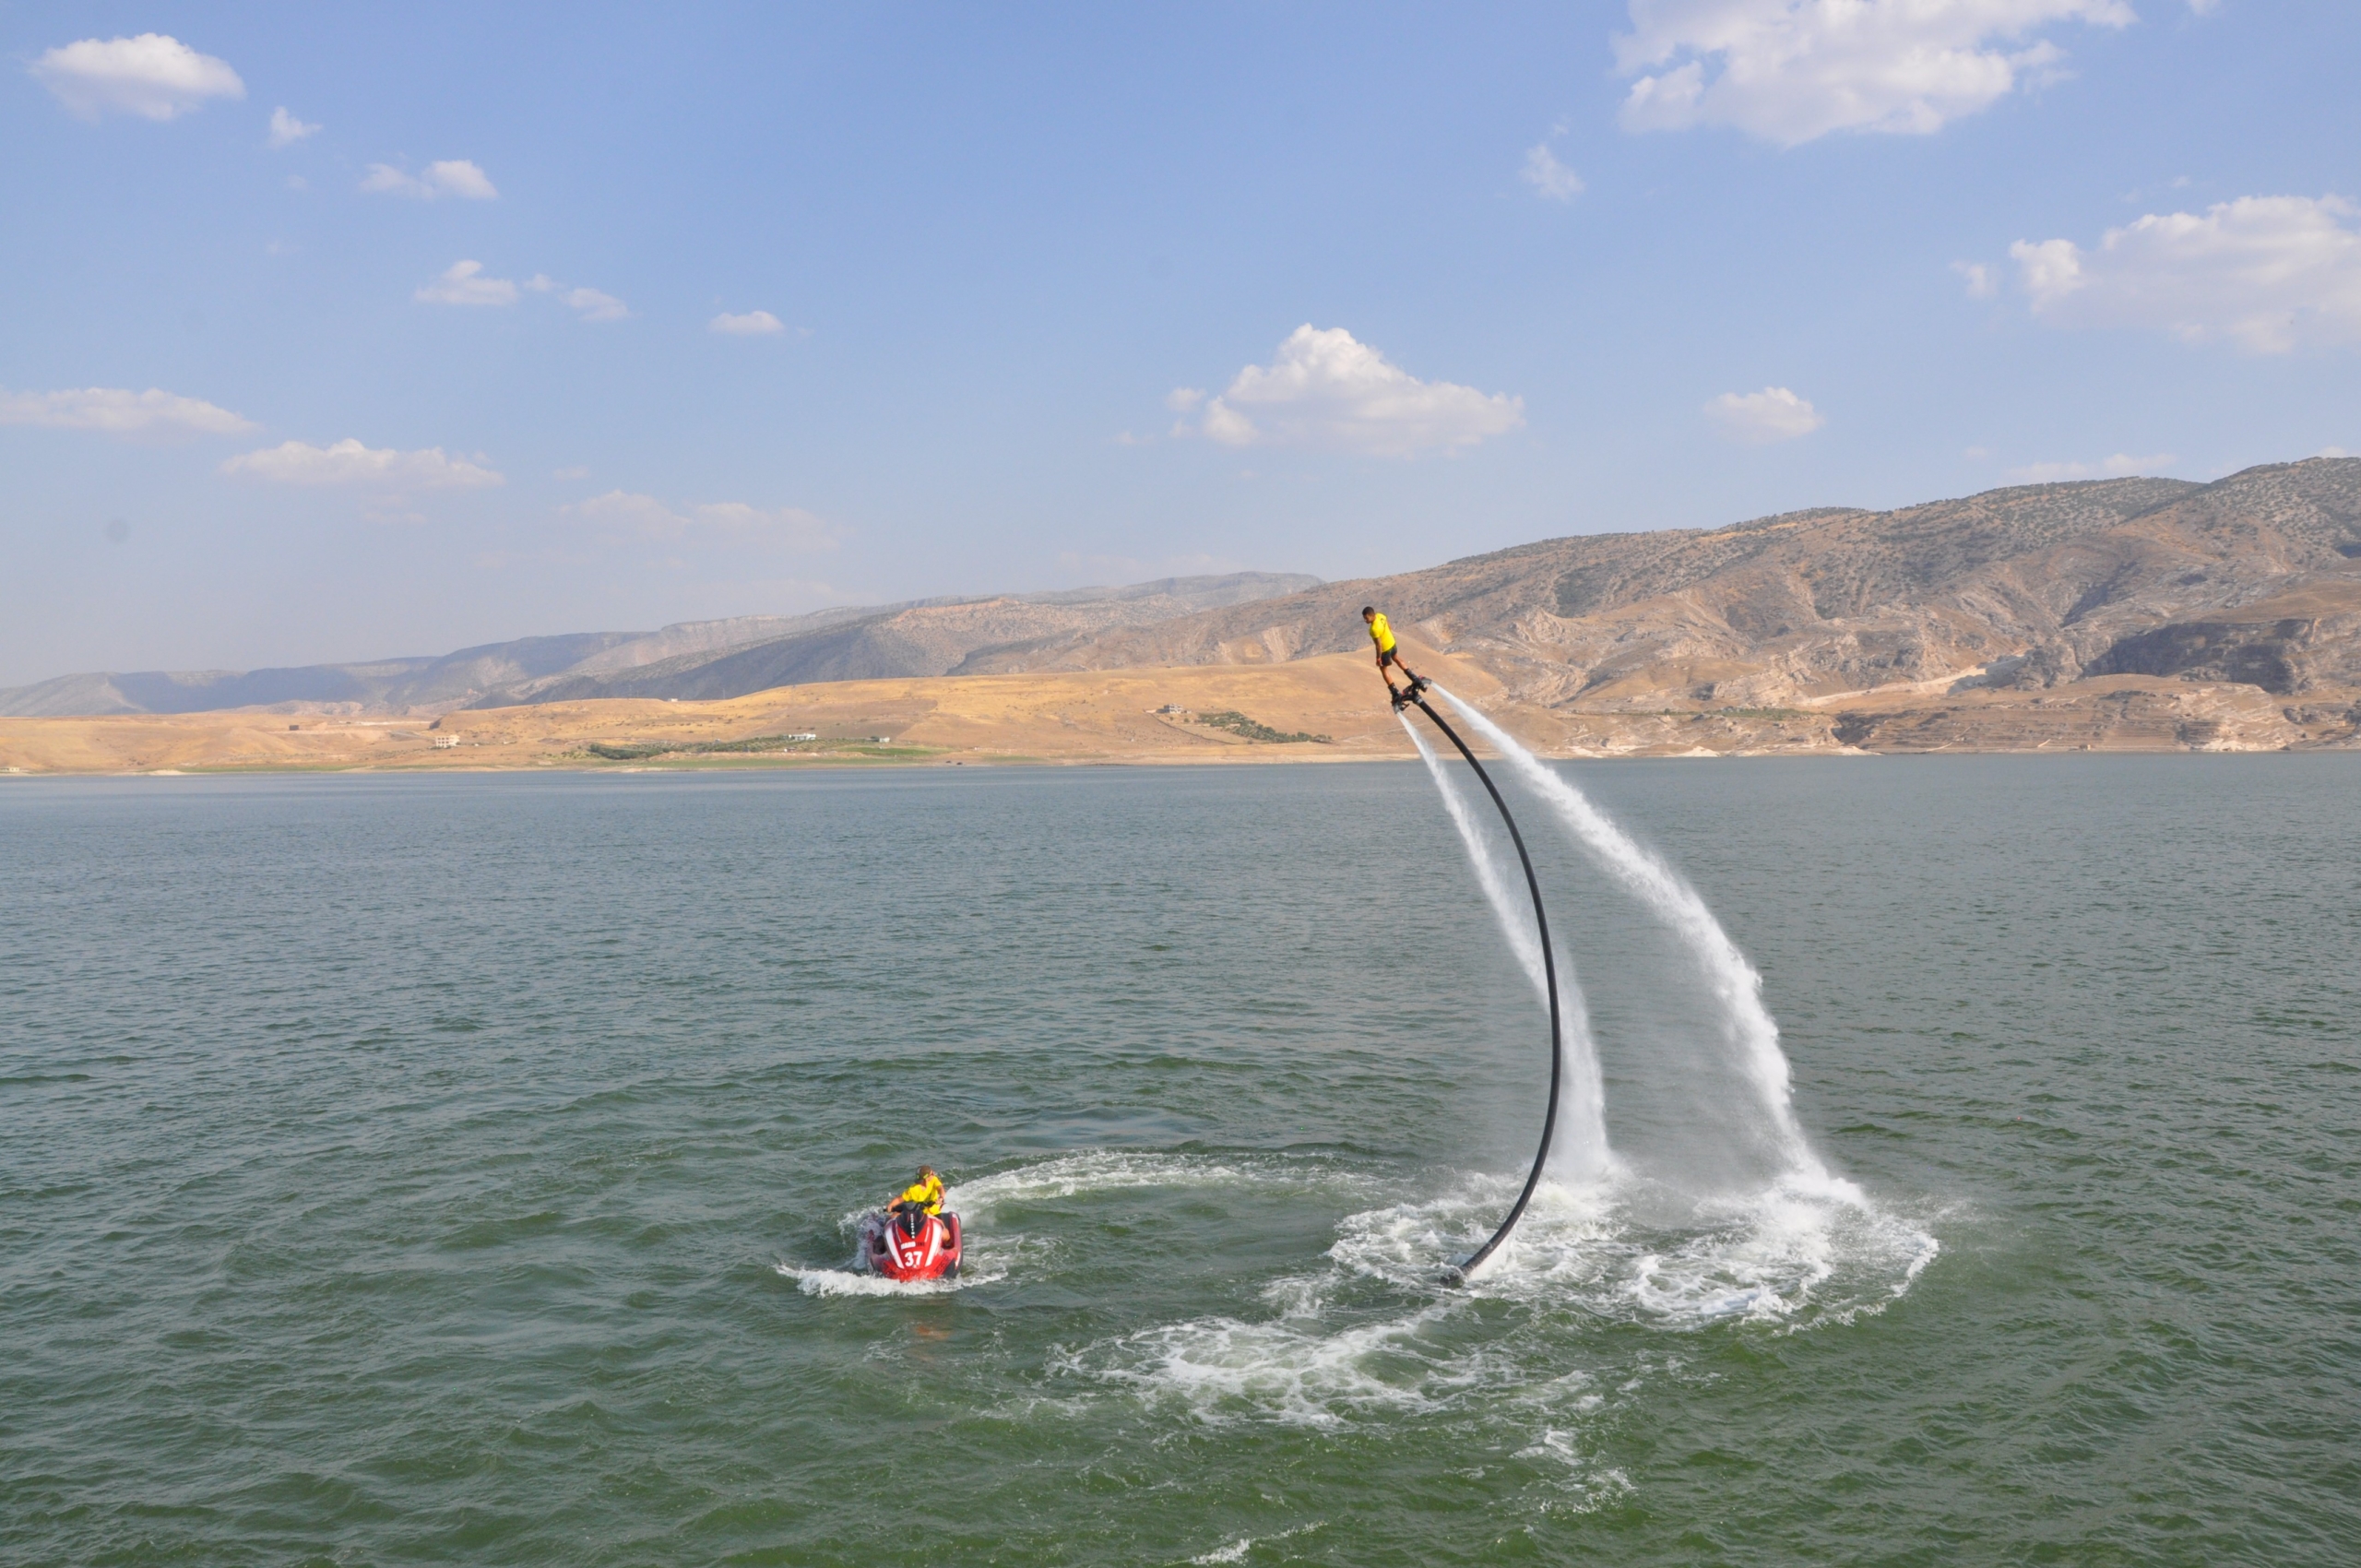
(1623, 1251)
(1091, 1171)
(849, 1282)
(1791, 1259)
(1235, 1551)
(1299, 1369)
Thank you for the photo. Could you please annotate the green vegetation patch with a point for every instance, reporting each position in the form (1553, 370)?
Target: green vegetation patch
(1239, 724)
(642, 751)
(635, 751)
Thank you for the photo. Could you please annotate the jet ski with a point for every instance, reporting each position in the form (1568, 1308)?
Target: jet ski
(910, 1245)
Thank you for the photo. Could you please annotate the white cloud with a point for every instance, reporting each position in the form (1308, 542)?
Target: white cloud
(349, 462)
(1760, 418)
(1182, 399)
(753, 324)
(452, 176)
(2331, 452)
(1981, 284)
(463, 283)
(1790, 70)
(151, 75)
(2265, 273)
(119, 411)
(2120, 466)
(1324, 389)
(1552, 180)
(286, 130)
(594, 305)
(785, 527)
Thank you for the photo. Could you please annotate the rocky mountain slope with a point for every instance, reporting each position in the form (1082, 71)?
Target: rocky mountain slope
(694, 658)
(2252, 580)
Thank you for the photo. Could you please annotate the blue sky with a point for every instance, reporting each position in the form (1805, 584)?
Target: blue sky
(336, 333)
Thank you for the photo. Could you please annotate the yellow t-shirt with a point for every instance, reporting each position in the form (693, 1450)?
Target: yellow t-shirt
(928, 1195)
(1380, 634)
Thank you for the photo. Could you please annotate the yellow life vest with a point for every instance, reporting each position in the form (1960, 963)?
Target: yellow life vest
(928, 1195)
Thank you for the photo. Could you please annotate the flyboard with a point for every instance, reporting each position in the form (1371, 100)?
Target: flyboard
(1459, 1273)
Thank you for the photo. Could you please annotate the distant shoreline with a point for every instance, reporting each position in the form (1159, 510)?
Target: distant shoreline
(1328, 708)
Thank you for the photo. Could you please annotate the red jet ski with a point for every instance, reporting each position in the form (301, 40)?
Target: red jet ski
(910, 1245)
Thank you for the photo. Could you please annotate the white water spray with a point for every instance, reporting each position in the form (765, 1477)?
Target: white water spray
(1578, 1152)
(1749, 1031)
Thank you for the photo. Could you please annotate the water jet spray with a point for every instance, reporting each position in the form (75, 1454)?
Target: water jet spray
(1459, 1273)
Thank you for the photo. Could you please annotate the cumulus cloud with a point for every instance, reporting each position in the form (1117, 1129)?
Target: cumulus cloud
(463, 283)
(1324, 389)
(286, 130)
(349, 462)
(1791, 70)
(1550, 179)
(2120, 466)
(752, 323)
(1760, 418)
(1981, 284)
(118, 411)
(152, 75)
(2264, 272)
(595, 305)
(452, 176)
(780, 527)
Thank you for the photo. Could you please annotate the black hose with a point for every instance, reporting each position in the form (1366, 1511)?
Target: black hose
(1457, 1274)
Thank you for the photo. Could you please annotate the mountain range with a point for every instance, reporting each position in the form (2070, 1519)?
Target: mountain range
(696, 659)
(2252, 581)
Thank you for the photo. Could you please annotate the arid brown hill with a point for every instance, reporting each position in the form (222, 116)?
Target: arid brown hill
(2254, 580)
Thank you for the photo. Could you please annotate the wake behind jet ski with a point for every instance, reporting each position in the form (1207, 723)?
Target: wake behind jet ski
(911, 1238)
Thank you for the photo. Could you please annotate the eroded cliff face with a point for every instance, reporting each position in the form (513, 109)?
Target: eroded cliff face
(2253, 582)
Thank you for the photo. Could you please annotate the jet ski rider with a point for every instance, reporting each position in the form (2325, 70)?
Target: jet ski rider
(1388, 654)
(920, 1201)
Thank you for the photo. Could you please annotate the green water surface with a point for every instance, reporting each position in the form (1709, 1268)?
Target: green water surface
(461, 1169)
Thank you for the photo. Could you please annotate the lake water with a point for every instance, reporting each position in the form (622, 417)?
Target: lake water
(461, 1170)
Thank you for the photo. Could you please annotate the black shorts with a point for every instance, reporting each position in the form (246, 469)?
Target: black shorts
(1389, 655)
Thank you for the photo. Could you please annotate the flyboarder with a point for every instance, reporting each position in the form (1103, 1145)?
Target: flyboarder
(1389, 654)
